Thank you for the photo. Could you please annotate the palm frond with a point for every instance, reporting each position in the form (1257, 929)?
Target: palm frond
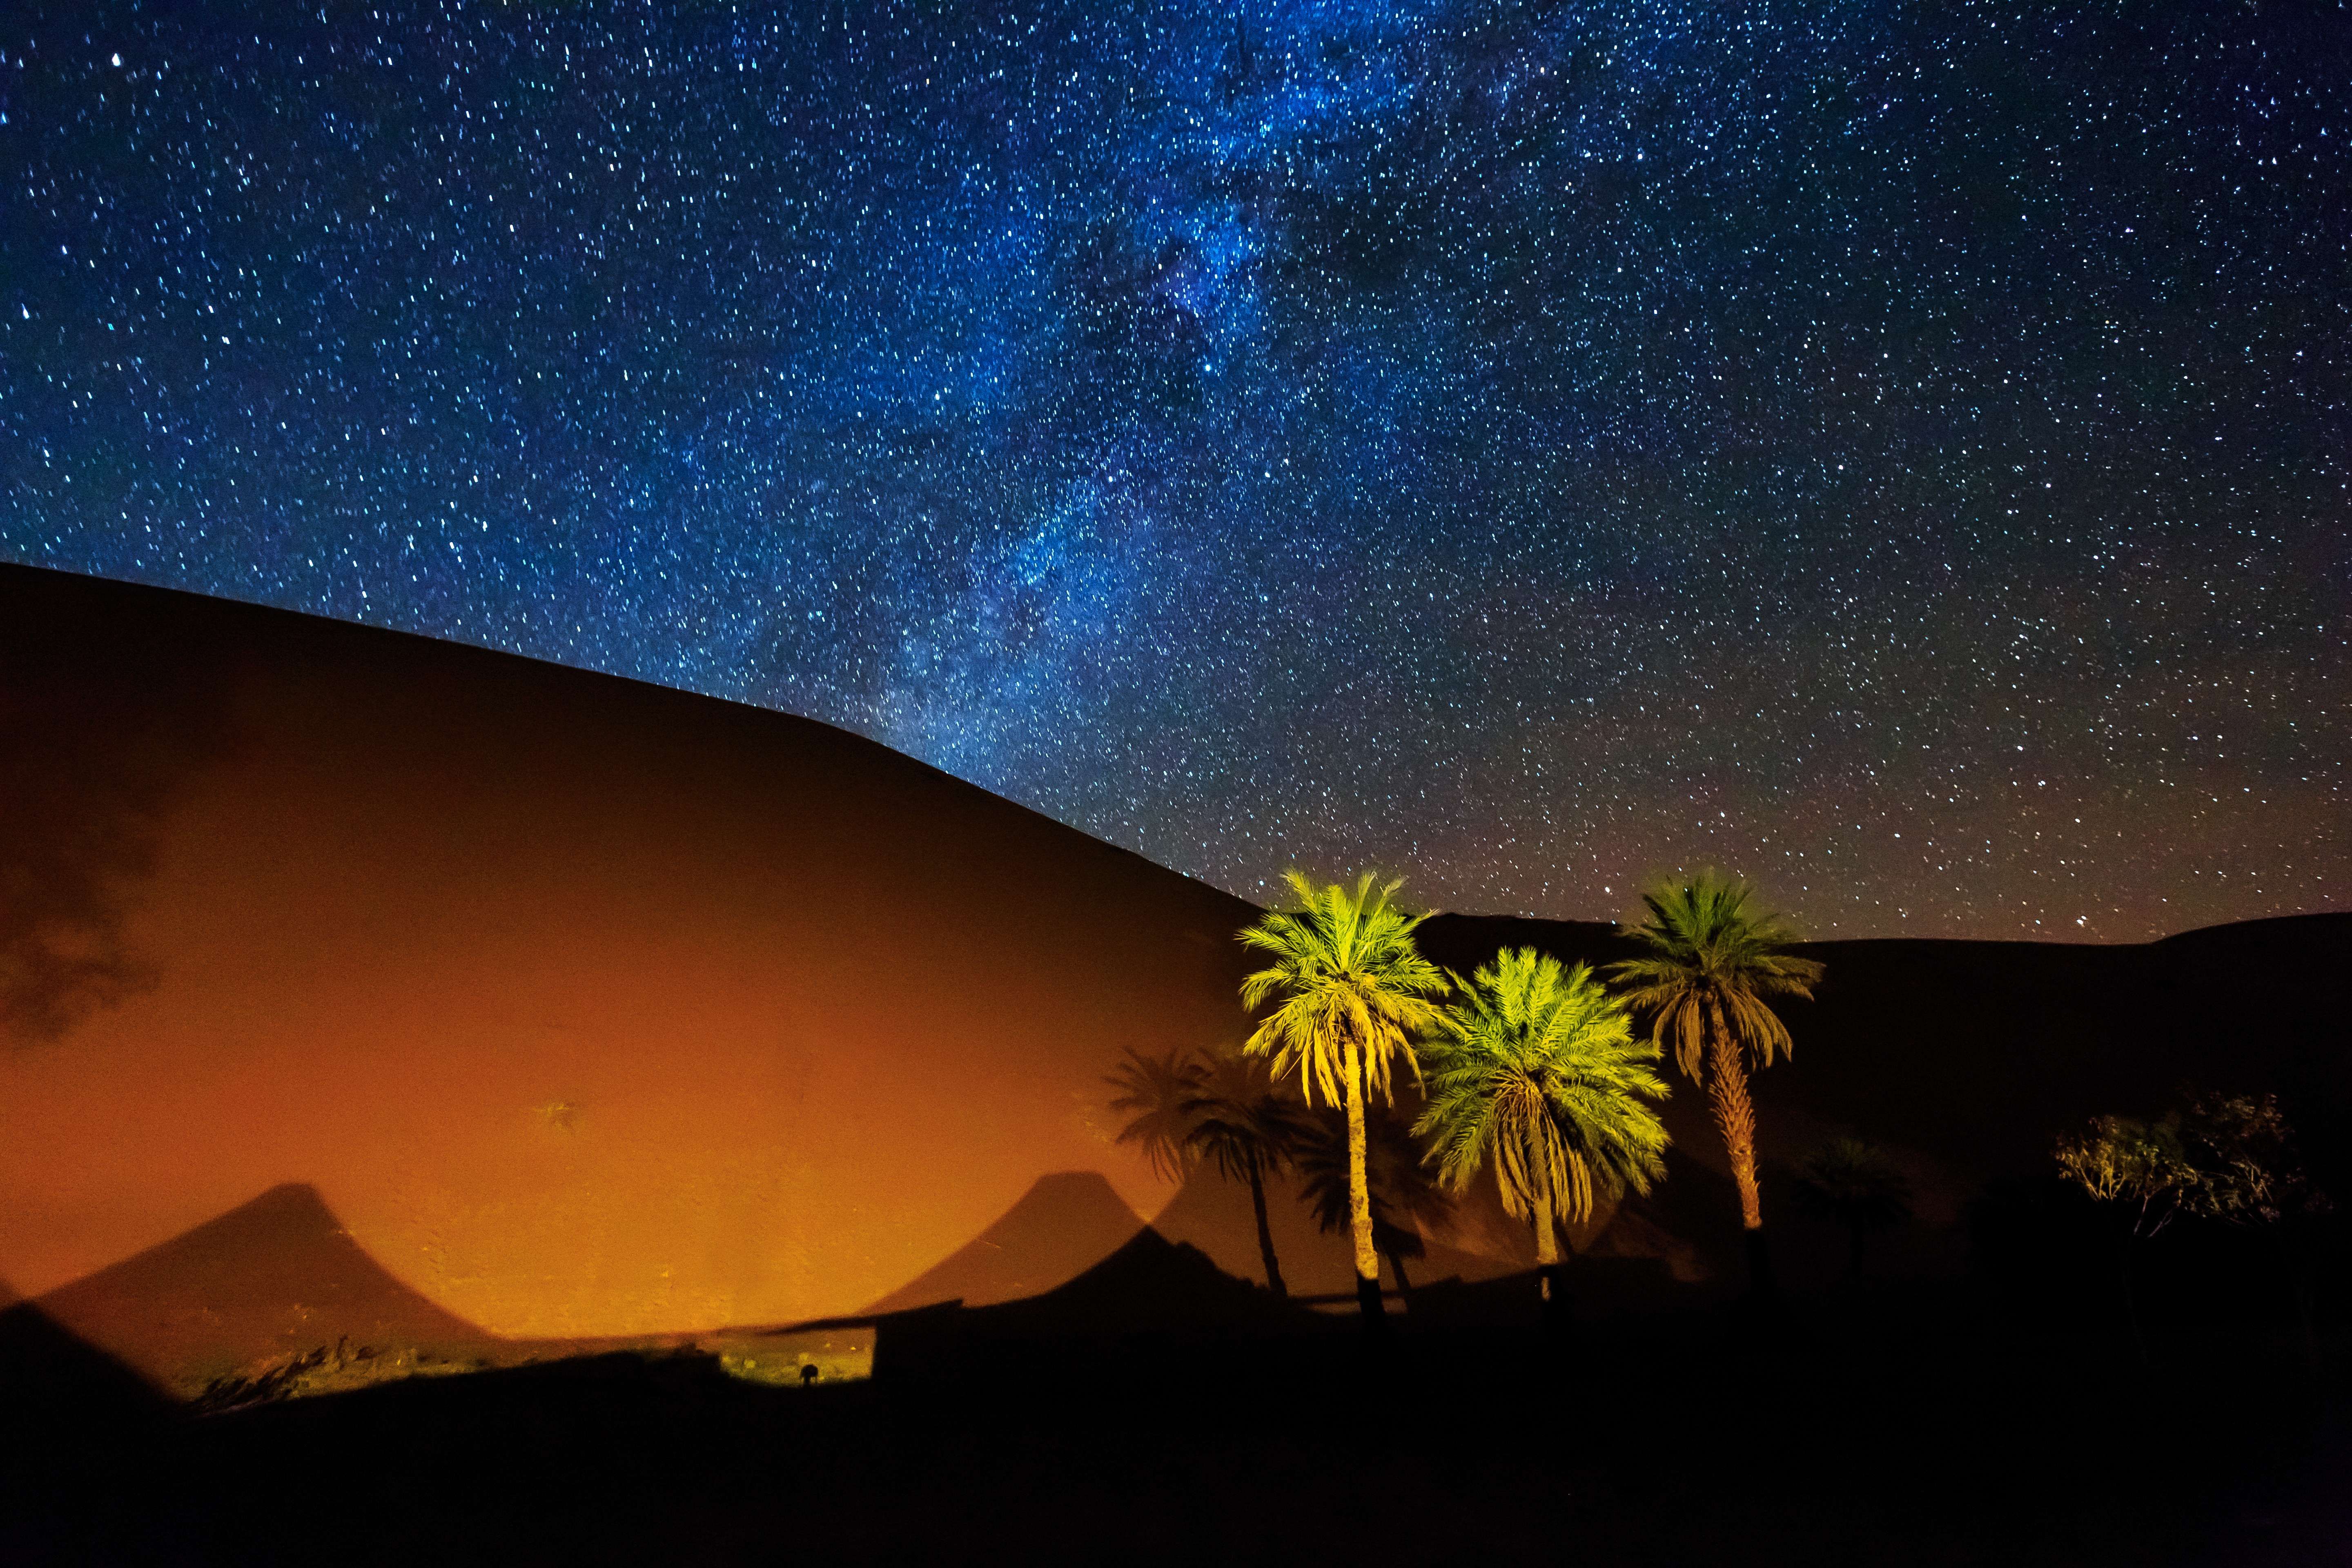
(1711, 955)
(1534, 1073)
(1240, 1120)
(1346, 976)
(1156, 1090)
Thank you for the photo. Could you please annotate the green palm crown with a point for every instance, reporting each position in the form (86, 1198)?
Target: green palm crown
(1535, 1070)
(1714, 961)
(1348, 975)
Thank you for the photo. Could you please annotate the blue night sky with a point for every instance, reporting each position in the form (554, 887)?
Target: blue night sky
(1895, 450)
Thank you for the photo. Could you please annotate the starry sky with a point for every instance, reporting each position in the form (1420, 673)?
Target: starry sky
(1896, 449)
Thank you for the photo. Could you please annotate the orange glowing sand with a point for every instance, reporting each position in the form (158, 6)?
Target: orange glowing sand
(589, 1008)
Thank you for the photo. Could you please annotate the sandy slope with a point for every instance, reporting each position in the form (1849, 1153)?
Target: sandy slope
(589, 1008)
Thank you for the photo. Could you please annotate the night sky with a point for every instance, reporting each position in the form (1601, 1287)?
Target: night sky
(1897, 451)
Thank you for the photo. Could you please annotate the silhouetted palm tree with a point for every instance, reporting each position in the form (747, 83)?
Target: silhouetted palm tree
(1855, 1184)
(1352, 992)
(1711, 964)
(1247, 1127)
(1157, 1090)
(1403, 1198)
(1534, 1071)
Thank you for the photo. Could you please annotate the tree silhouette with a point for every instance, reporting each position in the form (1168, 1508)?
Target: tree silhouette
(1243, 1123)
(2249, 1173)
(2137, 1168)
(1351, 991)
(1157, 1090)
(1534, 1073)
(1855, 1184)
(1711, 964)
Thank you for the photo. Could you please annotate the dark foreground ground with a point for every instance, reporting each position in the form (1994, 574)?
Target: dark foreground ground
(1865, 1428)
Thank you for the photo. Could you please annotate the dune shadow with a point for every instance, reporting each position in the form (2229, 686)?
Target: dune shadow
(245, 1295)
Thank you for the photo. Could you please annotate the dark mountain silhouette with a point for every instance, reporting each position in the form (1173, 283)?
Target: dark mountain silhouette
(1149, 1288)
(1147, 1284)
(51, 1377)
(1062, 1226)
(273, 1277)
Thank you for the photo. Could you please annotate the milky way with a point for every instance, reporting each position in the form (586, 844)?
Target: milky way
(1899, 452)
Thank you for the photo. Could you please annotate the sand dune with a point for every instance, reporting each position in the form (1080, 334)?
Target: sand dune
(590, 1007)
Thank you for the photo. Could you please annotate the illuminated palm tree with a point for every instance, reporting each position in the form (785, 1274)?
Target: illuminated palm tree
(1247, 1127)
(1157, 1090)
(1534, 1073)
(1403, 1197)
(1712, 964)
(1351, 991)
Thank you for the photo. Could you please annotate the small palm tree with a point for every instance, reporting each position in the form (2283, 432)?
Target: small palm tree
(1351, 991)
(1403, 1198)
(1247, 1127)
(1712, 964)
(1534, 1071)
(1157, 1090)
(1855, 1184)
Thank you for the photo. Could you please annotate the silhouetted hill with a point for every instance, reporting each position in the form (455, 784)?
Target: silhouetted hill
(1149, 1289)
(1062, 1226)
(273, 1277)
(1149, 1284)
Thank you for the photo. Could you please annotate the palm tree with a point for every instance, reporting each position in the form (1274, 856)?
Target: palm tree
(1157, 1090)
(1247, 1127)
(1855, 1184)
(1535, 1072)
(1711, 964)
(1352, 990)
(1403, 1198)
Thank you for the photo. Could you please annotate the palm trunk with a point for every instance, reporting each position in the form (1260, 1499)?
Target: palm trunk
(1547, 1281)
(1735, 1118)
(1264, 1232)
(1360, 1195)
